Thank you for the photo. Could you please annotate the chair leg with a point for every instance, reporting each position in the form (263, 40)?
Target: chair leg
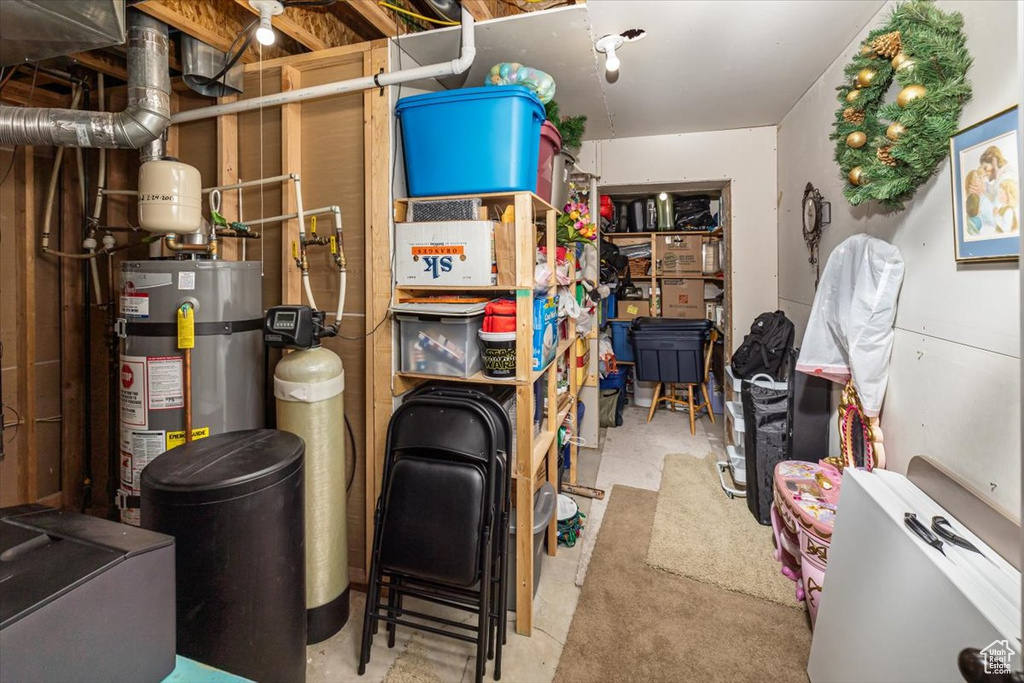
(654, 402)
(707, 401)
(484, 617)
(395, 603)
(368, 620)
(693, 420)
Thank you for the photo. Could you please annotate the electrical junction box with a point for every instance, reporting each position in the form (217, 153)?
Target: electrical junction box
(453, 253)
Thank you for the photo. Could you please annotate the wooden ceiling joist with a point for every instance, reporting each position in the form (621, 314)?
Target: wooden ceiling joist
(480, 9)
(316, 29)
(103, 62)
(20, 92)
(217, 23)
(376, 16)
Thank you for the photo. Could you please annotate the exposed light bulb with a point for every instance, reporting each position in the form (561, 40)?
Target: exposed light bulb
(265, 32)
(663, 196)
(611, 62)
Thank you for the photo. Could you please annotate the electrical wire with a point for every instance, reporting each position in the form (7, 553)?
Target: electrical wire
(408, 13)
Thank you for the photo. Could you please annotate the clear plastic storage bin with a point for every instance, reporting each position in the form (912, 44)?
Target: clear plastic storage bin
(440, 343)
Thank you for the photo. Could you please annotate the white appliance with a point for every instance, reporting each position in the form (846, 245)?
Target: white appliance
(897, 609)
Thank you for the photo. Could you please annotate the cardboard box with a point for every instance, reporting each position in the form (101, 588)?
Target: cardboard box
(680, 254)
(682, 299)
(629, 309)
(453, 253)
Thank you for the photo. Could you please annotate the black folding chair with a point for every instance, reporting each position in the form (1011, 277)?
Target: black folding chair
(443, 498)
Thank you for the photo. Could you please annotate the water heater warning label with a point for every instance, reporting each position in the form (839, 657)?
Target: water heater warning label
(135, 305)
(164, 382)
(133, 392)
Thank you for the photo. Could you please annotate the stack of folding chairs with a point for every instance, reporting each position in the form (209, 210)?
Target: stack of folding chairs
(441, 525)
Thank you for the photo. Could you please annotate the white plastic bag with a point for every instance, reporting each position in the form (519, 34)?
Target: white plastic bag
(850, 330)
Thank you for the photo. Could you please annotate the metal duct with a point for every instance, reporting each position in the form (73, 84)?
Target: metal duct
(38, 29)
(201, 62)
(142, 121)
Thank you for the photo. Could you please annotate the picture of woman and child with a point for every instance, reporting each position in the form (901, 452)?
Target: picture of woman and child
(991, 193)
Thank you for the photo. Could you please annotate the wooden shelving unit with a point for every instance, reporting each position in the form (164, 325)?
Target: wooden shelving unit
(536, 458)
(654, 278)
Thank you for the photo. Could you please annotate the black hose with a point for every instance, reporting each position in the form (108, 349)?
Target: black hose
(355, 454)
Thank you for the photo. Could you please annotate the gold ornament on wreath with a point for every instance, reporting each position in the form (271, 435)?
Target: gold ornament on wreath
(923, 51)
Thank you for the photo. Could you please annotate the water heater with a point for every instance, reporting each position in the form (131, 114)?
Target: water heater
(225, 384)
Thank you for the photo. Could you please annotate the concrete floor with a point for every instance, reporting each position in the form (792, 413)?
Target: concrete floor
(427, 658)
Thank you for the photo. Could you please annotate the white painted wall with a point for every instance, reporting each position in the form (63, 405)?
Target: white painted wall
(954, 388)
(746, 156)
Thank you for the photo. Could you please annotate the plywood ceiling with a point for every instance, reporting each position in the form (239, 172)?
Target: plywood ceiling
(702, 66)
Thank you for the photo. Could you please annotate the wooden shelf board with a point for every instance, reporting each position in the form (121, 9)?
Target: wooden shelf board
(538, 373)
(668, 233)
(478, 378)
(563, 346)
(539, 205)
(541, 444)
(447, 288)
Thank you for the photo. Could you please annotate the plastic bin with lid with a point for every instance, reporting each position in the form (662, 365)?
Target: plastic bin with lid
(440, 339)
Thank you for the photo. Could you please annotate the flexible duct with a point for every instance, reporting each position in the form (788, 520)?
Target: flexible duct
(143, 120)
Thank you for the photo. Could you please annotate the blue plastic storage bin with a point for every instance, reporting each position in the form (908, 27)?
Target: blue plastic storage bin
(471, 141)
(616, 380)
(620, 341)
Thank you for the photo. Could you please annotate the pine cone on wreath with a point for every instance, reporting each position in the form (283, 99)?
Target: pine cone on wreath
(884, 155)
(887, 45)
(851, 115)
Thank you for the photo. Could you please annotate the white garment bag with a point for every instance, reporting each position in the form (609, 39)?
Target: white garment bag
(850, 333)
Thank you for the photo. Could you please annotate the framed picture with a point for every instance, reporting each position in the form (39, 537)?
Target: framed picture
(986, 194)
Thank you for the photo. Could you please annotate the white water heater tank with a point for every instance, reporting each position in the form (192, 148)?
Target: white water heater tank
(170, 197)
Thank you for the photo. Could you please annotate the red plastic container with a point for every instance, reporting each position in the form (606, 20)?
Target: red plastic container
(550, 145)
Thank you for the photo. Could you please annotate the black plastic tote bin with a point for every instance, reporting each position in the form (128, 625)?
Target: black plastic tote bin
(669, 349)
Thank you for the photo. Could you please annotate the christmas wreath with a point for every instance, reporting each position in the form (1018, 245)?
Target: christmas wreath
(887, 149)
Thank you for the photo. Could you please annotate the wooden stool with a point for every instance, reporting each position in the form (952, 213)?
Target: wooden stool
(691, 406)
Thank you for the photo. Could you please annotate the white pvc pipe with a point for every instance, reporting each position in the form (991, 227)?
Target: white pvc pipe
(341, 298)
(439, 70)
(250, 183)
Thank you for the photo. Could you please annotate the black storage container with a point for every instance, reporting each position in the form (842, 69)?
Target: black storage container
(669, 349)
(765, 443)
(635, 217)
(622, 216)
(234, 503)
(809, 415)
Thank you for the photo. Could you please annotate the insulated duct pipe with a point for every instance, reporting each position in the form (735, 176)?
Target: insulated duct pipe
(439, 70)
(143, 120)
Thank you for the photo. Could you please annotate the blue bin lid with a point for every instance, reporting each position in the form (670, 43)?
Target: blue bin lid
(462, 94)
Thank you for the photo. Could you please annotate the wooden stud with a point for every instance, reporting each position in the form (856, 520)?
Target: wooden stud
(291, 162)
(377, 150)
(524, 510)
(227, 173)
(25, 217)
(550, 229)
(72, 359)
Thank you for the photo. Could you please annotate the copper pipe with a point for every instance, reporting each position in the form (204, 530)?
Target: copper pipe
(187, 372)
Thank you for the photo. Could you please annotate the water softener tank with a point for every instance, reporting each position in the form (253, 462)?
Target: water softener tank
(309, 386)
(234, 505)
(226, 377)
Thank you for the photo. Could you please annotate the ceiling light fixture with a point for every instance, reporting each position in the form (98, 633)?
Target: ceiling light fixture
(608, 45)
(267, 9)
